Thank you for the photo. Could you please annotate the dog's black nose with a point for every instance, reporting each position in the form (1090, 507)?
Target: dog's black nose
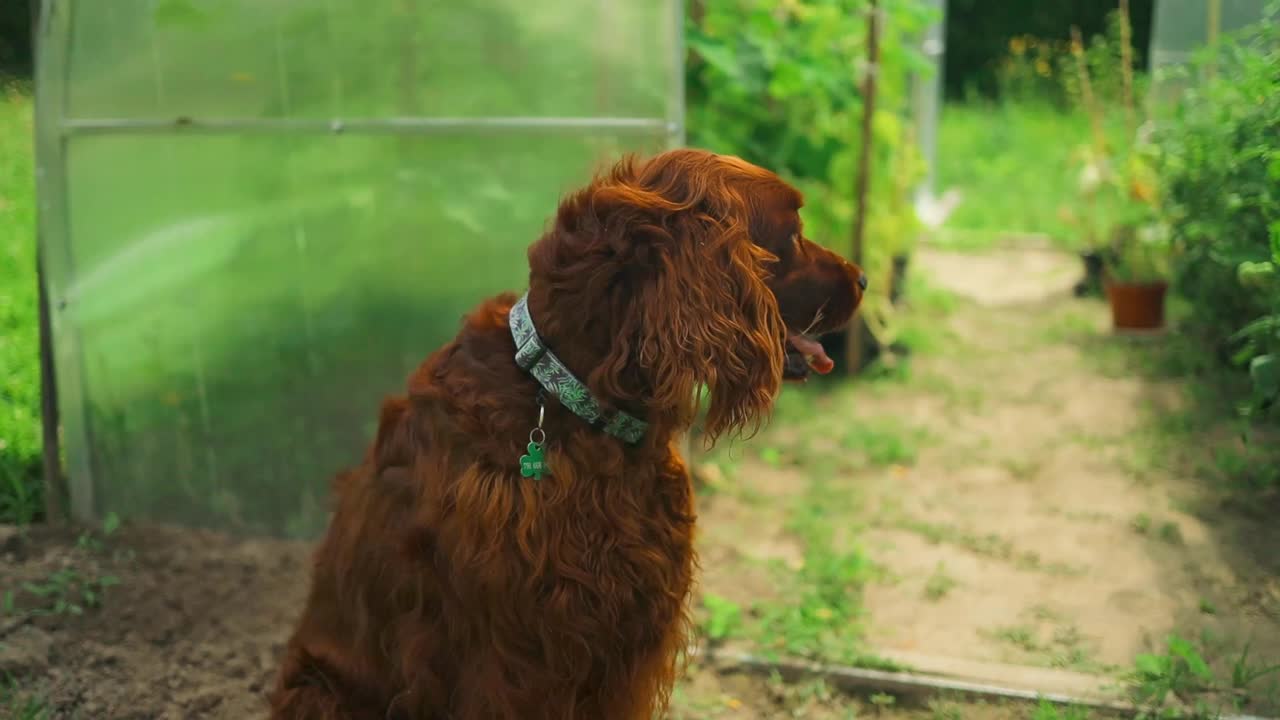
(862, 281)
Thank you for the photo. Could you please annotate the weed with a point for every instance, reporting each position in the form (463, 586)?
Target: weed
(883, 444)
(1044, 613)
(1046, 710)
(1170, 533)
(1022, 468)
(882, 701)
(20, 705)
(821, 615)
(1252, 466)
(943, 710)
(1141, 523)
(989, 545)
(771, 456)
(1069, 650)
(67, 592)
(723, 616)
(1063, 646)
(1071, 326)
(1022, 637)
(938, 584)
(1182, 675)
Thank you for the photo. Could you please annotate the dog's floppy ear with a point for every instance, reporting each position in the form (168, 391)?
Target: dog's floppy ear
(701, 314)
(393, 444)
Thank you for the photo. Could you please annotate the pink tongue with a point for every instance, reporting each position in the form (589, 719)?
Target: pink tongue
(814, 354)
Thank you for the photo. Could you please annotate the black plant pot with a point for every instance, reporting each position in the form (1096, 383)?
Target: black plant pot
(837, 346)
(899, 281)
(1091, 284)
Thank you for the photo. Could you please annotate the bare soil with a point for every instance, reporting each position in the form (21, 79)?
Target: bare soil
(191, 629)
(1032, 527)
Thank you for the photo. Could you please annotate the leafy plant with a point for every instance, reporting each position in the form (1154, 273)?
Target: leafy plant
(1181, 677)
(1121, 218)
(779, 83)
(65, 592)
(1219, 167)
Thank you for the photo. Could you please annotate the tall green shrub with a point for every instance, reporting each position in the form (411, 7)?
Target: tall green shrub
(779, 83)
(1220, 168)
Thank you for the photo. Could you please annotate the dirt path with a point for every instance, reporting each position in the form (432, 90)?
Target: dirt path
(1024, 496)
(1016, 494)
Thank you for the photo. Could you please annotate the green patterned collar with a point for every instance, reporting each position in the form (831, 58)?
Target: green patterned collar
(537, 359)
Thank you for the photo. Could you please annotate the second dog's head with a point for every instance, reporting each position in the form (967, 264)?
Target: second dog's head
(691, 270)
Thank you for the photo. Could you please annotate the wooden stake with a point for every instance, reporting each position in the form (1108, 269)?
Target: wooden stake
(1086, 92)
(862, 182)
(1126, 63)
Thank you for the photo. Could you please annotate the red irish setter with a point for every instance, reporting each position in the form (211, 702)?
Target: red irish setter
(518, 544)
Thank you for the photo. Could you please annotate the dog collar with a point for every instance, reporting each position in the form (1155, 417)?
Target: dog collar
(533, 356)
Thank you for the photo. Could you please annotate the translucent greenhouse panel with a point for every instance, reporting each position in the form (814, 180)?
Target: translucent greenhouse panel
(1180, 27)
(259, 217)
(336, 58)
(242, 304)
(926, 99)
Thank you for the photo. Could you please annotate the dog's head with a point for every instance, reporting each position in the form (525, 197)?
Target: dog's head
(702, 267)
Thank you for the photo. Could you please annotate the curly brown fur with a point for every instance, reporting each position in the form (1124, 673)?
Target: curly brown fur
(448, 586)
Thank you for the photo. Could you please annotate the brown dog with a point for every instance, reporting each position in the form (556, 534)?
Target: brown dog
(518, 541)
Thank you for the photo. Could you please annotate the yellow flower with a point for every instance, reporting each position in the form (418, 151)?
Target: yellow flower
(1140, 190)
(1017, 45)
(1042, 67)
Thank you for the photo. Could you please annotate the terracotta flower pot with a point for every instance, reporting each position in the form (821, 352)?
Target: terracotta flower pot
(1137, 306)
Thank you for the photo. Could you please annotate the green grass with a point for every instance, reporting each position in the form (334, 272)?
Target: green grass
(939, 584)
(1046, 710)
(820, 615)
(19, 704)
(20, 490)
(1013, 164)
